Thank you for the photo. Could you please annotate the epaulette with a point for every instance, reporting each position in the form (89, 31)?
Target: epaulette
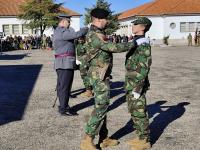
(142, 41)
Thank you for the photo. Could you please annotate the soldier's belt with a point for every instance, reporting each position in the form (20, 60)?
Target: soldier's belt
(64, 54)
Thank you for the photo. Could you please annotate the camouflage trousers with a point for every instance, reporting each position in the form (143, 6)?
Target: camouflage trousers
(138, 111)
(97, 122)
(85, 77)
(198, 41)
(189, 42)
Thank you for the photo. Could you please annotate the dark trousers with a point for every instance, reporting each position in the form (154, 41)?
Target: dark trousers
(64, 83)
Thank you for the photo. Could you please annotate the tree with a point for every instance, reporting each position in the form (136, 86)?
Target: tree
(40, 14)
(113, 18)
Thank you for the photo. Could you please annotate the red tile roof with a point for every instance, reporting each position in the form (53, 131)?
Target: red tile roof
(11, 8)
(164, 7)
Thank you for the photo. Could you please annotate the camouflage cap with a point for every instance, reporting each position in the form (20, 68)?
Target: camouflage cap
(142, 20)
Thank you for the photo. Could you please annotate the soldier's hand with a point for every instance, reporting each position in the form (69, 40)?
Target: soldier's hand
(78, 62)
(136, 95)
(101, 36)
(85, 30)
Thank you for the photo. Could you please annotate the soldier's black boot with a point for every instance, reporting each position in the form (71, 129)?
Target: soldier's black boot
(71, 112)
(72, 96)
(67, 112)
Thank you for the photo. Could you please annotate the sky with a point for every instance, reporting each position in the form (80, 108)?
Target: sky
(116, 5)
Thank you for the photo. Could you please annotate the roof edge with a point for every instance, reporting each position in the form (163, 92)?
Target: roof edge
(74, 13)
(162, 15)
(137, 11)
(11, 16)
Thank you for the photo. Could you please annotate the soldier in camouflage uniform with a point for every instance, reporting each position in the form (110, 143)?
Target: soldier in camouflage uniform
(84, 67)
(189, 39)
(138, 62)
(198, 39)
(99, 59)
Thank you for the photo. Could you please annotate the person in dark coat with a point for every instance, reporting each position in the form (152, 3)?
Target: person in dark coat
(65, 61)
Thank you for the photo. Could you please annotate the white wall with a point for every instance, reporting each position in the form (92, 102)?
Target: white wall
(175, 33)
(157, 29)
(9, 21)
(161, 26)
(126, 31)
(75, 23)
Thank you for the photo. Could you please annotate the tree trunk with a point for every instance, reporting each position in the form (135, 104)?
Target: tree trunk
(41, 31)
(42, 28)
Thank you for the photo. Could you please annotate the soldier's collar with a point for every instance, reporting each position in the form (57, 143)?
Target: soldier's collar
(96, 29)
(61, 27)
(138, 37)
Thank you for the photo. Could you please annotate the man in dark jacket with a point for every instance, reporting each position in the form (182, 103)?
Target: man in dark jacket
(65, 61)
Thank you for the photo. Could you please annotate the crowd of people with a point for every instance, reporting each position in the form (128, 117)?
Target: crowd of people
(26, 42)
(38, 42)
(45, 42)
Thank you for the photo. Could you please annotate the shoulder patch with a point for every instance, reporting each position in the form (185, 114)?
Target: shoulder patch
(142, 41)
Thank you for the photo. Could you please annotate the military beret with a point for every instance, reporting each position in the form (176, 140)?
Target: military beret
(63, 16)
(99, 13)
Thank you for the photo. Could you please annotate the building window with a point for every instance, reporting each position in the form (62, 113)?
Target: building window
(189, 26)
(192, 27)
(6, 29)
(172, 25)
(183, 27)
(15, 29)
(25, 30)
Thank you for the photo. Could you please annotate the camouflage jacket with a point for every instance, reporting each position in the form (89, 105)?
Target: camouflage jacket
(138, 62)
(99, 52)
(80, 51)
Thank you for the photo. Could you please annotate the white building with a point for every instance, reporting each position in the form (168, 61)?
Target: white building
(10, 25)
(176, 18)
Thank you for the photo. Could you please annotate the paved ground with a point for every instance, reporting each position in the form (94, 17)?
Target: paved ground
(28, 121)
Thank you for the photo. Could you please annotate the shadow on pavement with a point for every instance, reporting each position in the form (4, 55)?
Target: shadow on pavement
(77, 92)
(83, 105)
(160, 122)
(116, 88)
(16, 85)
(12, 57)
(128, 128)
(117, 103)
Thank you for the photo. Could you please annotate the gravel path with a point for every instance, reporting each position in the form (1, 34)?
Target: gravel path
(28, 121)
